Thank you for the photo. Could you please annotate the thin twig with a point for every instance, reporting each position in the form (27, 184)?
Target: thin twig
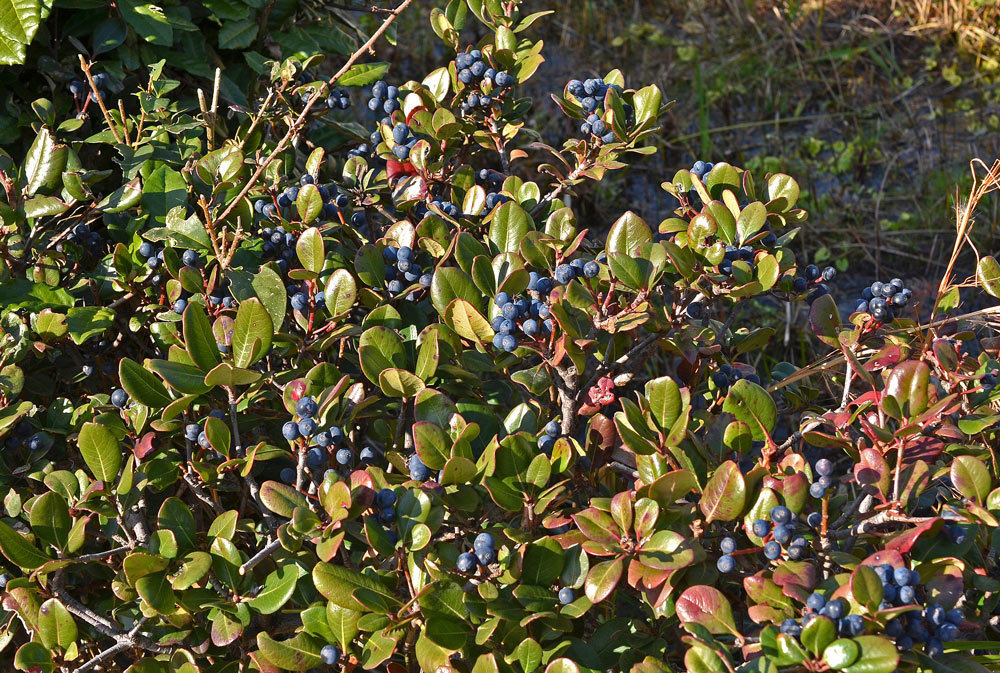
(101, 555)
(100, 101)
(260, 556)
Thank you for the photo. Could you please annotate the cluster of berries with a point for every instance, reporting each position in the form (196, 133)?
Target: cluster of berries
(279, 245)
(700, 169)
(337, 99)
(729, 374)
(782, 535)
(385, 504)
(820, 487)
(400, 268)
(882, 300)
(931, 626)
(384, 98)
(300, 298)
(80, 90)
(22, 435)
(590, 95)
(815, 278)
(835, 610)
(446, 207)
(578, 268)
(82, 235)
(221, 296)
(519, 314)
(195, 432)
(404, 141)
(549, 436)
(473, 71)
(483, 553)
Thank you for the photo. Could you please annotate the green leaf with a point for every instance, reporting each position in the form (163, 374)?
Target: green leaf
(399, 383)
(50, 519)
(818, 633)
(184, 378)
(878, 655)
(84, 322)
(295, 654)
(174, 515)
(627, 234)
(155, 589)
(647, 104)
(56, 625)
(109, 35)
(448, 632)
(45, 160)
(783, 192)
(841, 653)
(988, 275)
(226, 375)
(971, 477)
(467, 322)
(343, 623)
(34, 657)
(281, 499)
(142, 385)
(751, 404)
(19, 551)
(278, 588)
(543, 561)
(148, 20)
(163, 190)
(309, 205)
(602, 579)
(340, 585)
(101, 451)
(725, 493)
(340, 293)
(270, 289)
(123, 198)
(866, 587)
(509, 225)
(450, 283)
(361, 74)
(751, 220)
(252, 332)
(237, 34)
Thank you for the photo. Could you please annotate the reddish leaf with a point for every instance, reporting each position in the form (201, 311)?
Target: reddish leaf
(885, 556)
(706, 606)
(598, 526)
(144, 446)
(904, 541)
(725, 494)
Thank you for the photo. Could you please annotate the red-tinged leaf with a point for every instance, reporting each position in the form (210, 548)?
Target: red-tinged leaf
(621, 510)
(666, 490)
(908, 383)
(872, 469)
(795, 574)
(761, 614)
(725, 494)
(706, 606)
(971, 477)
(903, 542)
(602, 579)
(144, 446)
(824, 319)
(885, 556)
(922, 447)
(887, 357)
(598, 526)
(649, 577)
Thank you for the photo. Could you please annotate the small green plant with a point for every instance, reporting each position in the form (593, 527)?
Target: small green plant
(270, 404)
